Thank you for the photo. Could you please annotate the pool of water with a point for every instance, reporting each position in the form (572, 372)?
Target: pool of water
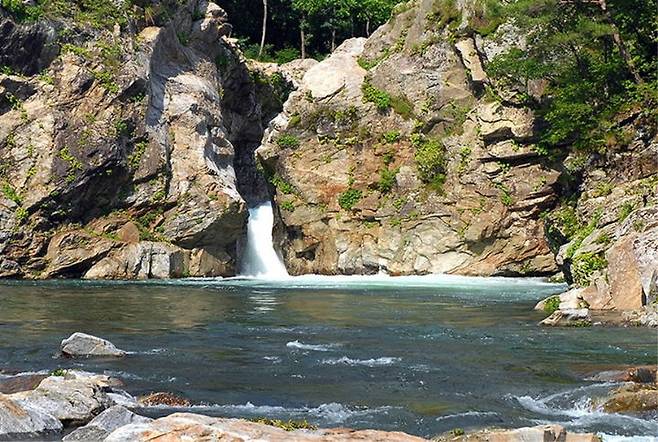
(421, 355)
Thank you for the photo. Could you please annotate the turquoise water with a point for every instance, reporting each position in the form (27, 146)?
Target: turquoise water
(421, 355)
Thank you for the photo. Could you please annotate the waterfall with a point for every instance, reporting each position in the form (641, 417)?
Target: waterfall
(260, 259)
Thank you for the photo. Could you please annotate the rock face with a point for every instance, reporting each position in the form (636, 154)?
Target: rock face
(82, 344)
(187, 426)
(406, 166)
(610, 233)
(120, 160)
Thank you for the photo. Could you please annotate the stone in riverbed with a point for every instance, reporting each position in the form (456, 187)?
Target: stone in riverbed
(642, 375)
(632, 399)
(82, 344)
(579, 317)
(167, 399)
(105, 423)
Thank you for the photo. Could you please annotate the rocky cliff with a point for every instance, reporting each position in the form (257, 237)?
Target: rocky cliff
(127, 151)
(119, 147)
(398, 154)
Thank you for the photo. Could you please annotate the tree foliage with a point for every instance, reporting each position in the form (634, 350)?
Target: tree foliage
(598, 57)
(325, 23)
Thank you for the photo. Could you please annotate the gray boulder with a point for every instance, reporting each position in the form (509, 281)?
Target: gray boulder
(21, 421)
(105, 423)
(73, 398)
(82, 344)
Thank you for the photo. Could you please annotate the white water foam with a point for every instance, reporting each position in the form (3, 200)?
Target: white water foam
(260, 260)
(364, 362)
(614, 438)
(332, 413)
(466, 414)
(580, 412)
(311, 347)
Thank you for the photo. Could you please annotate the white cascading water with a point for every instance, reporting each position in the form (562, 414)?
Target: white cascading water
(260, 260)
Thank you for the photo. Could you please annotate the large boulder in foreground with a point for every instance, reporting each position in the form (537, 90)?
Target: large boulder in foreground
(187, 426)
(541, 433)
(74, 398)
(82, 344)
(20, 421)
(106, 422)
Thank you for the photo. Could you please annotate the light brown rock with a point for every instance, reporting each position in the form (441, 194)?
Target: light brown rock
(541, 433)
(624, 276)
(187, 426)
(634, 398)
(129, 232)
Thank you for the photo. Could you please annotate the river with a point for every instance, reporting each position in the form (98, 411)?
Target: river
(422, 355)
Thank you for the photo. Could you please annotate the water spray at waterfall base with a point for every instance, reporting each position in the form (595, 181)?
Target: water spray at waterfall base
(260, 260)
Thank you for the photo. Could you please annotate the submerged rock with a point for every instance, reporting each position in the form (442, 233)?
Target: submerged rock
(106, 422)
(188, 426)
(82, 344)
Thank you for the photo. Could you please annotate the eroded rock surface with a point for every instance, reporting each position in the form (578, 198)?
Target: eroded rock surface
(406, 166)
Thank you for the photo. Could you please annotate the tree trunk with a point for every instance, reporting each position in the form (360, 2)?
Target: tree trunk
(302, 37)
(619, 41)
(333, 39)
(368, 27)
(262, 40)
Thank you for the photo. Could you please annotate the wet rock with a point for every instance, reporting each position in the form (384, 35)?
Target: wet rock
(105, 423)
(21, 421)
(542, 433)
(82, 344)
(168, 399)
(187, 426)
(632, 399)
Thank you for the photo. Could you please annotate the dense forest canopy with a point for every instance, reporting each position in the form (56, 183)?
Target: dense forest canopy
(322, 24)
